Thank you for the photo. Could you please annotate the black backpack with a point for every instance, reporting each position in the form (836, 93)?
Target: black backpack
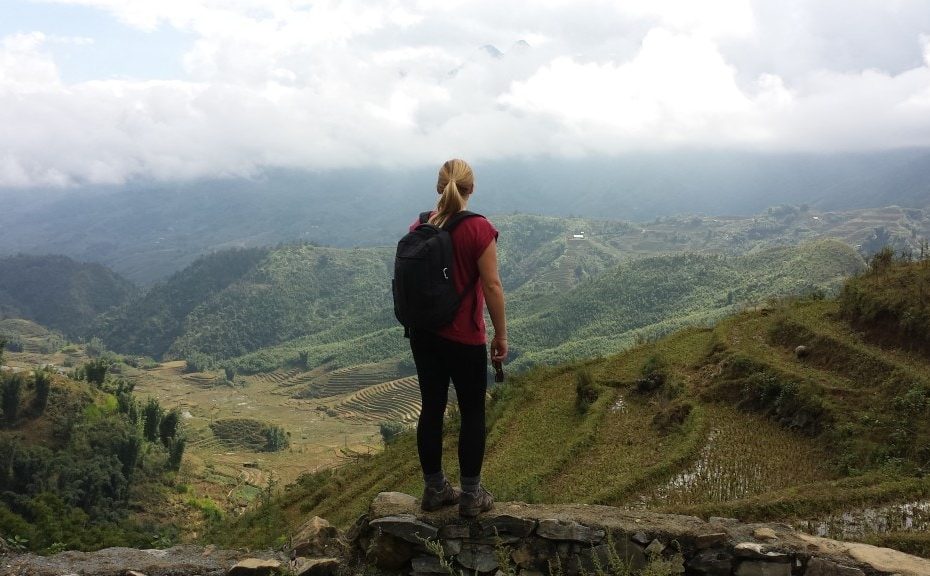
(424, 294)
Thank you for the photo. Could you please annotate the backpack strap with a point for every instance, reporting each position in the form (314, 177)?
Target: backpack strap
(456, 219)
(424, 216)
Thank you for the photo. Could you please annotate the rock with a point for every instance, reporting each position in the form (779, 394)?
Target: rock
(480, 558)
(641, 538)
(764, 533)
(723, 521)
(711, 540)
(317, 538)
(507, 524)
(569, 531)
(183, 559)
(711, 563)
(881, 560)
(389, 552)
(428, 565)
(753, 551)
(890, 561)
(134, 573)
(655, 548)
(534, 554)
(406, 527)
(391, 504)
(317, 567)
(802, 352)
(821, 567)
(757, 568)
(358, 528)
(451, 547)
(454, 531)
(256, 567)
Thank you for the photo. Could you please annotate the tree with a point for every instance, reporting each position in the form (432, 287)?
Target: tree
(176, 453)
(95, 371)
(128, 454)
(151, 418)
(12, 389)
(168, 429)
(390, 431)
(43, 384)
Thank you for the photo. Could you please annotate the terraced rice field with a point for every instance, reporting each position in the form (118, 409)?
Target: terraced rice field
(397, 400)
(229, 474)
(348, 380)
(276, 377)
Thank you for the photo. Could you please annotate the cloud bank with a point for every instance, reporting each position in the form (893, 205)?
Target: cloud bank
(400, 83)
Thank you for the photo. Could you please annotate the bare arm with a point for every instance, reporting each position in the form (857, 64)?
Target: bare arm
(494, 296)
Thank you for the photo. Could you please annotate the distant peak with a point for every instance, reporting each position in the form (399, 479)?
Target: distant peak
(492, 51)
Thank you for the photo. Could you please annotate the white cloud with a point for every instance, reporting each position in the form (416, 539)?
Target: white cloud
(402, 82)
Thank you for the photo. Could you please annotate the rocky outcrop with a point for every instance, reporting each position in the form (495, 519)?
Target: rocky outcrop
(529, 540)
(513, 539)
(179, 560)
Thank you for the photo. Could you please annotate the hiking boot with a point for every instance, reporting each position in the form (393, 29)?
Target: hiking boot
(435, 499)
(470, 505)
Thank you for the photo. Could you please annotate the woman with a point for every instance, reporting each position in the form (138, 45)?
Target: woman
(458, 351)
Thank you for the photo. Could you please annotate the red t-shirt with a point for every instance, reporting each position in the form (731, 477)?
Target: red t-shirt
(470, 238)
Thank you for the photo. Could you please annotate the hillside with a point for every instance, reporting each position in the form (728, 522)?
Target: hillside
(58, 292)
(726, 421)
(257, 310)
(150, 323)
(653, 296)
(85, 464)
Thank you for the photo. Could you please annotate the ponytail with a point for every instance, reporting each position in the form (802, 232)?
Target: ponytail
(456, 181)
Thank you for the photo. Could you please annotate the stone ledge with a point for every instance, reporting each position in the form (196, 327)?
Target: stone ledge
(581, 537)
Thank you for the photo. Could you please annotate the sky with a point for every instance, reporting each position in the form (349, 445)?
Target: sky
(111, 91)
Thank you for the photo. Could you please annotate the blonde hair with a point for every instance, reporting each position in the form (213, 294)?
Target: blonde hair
(456, 181)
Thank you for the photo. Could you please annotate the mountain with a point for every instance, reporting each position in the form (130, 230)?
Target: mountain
(572, 292)
(58, 292)
(150, 323)
(793, 411)
(148, 230)
(653, 296)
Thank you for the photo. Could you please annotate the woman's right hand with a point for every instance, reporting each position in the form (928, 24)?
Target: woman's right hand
(498, 349)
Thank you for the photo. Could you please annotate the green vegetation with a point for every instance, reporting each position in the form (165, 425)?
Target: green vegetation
(891, 301)
(250, 434)
(58, 292)
(75, 464)
(723, 421)
(306, 306)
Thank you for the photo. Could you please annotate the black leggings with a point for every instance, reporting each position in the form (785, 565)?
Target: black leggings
(438, 360)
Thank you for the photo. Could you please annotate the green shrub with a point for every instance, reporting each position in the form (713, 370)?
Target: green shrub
(653, 375)
(390, 431)
(43, 384)
(586, 391)
(10, 397)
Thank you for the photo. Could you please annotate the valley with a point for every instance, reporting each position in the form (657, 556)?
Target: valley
(302, 338)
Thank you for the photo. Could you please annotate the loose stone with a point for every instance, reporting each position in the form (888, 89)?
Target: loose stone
(406, 527)
(710, 540)
(255, 567)
(569, 531)
(479, 558)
